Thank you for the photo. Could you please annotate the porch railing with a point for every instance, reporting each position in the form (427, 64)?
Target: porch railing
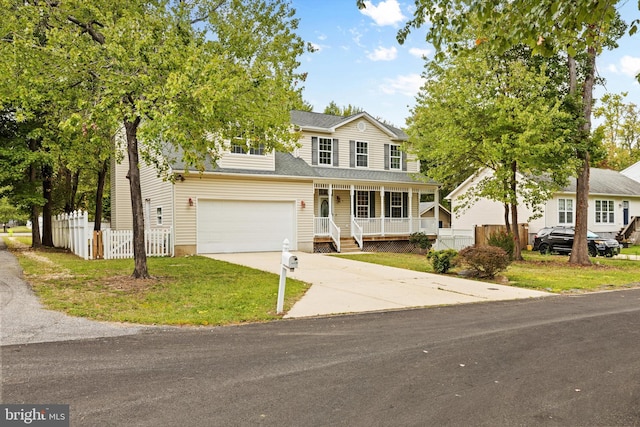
(357, 232)
(334, 230)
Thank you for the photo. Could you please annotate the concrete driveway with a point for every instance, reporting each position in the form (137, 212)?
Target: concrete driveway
(346, 286)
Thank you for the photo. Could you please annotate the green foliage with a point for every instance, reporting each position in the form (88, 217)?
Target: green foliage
(442, 260)
(421, 240)
(345, 111)
(485, 261)
(620, 131)
(503, 240)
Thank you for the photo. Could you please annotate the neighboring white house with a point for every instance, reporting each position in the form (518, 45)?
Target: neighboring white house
(349, 180)
(632, 171)
(613, 200)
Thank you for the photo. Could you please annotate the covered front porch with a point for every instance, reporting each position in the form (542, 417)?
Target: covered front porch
(371, 212)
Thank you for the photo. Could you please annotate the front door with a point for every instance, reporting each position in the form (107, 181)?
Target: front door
(323, 207)
(625, 212)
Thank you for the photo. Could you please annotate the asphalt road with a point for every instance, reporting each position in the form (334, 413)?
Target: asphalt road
(565, 361)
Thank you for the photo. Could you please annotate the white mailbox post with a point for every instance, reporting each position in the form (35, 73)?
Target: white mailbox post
(289, 261)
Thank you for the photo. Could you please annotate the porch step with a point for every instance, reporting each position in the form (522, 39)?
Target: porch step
(348, 245)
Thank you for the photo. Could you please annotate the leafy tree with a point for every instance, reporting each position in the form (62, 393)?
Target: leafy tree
(8, 212)
(620, 131)
(576, 28)
(347, 110)
(187, 75)
(481, 111)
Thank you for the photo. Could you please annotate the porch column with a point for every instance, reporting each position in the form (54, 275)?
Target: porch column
(353, 207)
(410, 210)
(382, 217)
(436, 207)
(331, 201)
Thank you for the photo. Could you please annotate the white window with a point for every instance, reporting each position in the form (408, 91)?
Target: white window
(565, 211)
(396, 205)
(325, 151)
(362, 154)
(159, 215)
(362, 204)
(240, 149)
(395, 157)
(604, 212)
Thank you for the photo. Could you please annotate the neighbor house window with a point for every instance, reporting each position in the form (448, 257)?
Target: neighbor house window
(395, 157)
(604, 211)
(325, 151)
(362, 204)
(565, 211)
(362, 154)
(159, 215)
(396, 205)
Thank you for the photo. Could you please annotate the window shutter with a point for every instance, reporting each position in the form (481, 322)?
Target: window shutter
(387, 204)
(386, 156)
(352, 154)
(404, 161)
(314, 150)
(372, 204)
(405, 205)
(335, 156)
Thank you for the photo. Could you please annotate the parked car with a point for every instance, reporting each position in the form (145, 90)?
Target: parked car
(560, 240)
(538, 237)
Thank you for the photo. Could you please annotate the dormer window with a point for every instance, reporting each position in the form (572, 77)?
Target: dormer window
(241, 149)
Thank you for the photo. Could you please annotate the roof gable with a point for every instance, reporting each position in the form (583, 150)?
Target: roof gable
(329, 123)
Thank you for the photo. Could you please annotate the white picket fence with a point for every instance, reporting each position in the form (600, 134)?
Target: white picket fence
(74, 232)
(449, 238)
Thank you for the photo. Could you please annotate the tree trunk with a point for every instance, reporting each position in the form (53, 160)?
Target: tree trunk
(102, 176)
(36, 241)
(71, 180)
(507, 222)
(579, 251)
(139, 254)
(47, 209)
(517, 250)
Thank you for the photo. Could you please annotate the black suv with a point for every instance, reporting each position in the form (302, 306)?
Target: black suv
(560, 239)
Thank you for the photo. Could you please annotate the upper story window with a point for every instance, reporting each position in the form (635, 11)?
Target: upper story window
(362, 154)
(565, 211)
(395, 157)
(604, 211)
(241, 149)
(325, 151)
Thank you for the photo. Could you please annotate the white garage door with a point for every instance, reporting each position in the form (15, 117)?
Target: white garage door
(245, 226)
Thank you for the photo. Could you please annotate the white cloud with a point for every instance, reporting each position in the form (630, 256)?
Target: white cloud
(384, 54)
(630, 65)
(408, 85)
(612, 68)
(419, 53)
(386, 13)
(316, 47)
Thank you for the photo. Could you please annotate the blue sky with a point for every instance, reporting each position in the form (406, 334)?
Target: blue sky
(358, 60)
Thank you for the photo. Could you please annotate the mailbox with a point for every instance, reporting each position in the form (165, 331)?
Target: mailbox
(289, 260)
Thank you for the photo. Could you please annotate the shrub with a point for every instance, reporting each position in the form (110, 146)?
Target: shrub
(504, 240)
(442, 260)
(421, 240)
(485, 261)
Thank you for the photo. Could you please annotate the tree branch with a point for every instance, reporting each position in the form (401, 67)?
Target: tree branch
(88, 28)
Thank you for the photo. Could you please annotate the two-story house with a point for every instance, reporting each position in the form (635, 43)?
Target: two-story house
(349, 182)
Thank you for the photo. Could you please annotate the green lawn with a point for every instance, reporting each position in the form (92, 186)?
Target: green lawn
(185, 291)
(551, 273)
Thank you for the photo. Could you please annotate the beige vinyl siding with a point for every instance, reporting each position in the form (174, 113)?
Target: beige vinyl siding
(121, 217)
(248, 161)
(160, 194)
(374, 136)
(239, 188)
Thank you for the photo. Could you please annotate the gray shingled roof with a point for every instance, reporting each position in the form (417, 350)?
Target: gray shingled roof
(328, 121)
(289, 166)
(605, 181)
